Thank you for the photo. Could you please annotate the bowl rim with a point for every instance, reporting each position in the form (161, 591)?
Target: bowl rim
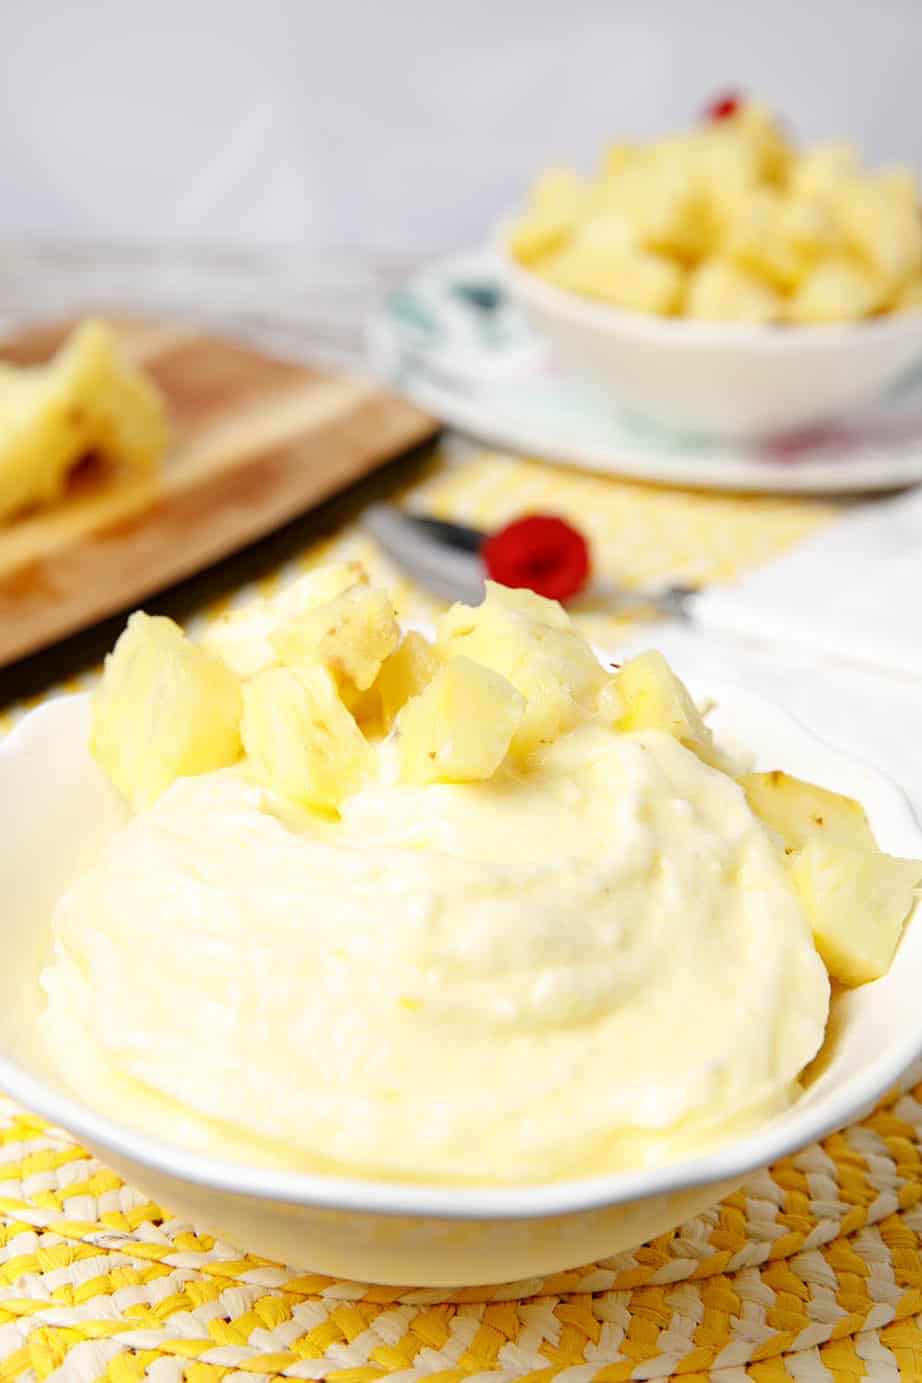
(729, 1161)
(692, 332)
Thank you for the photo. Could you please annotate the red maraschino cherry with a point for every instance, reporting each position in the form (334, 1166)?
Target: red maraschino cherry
(541, 552)
(723, 106)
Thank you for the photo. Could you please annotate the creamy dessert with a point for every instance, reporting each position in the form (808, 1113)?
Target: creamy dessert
(729, 221)
(477, 909)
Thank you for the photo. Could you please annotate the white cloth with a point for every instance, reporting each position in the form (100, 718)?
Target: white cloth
(851, 592)
(832, 632)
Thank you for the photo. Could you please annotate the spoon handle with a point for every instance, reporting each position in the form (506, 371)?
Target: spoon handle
(444, 558)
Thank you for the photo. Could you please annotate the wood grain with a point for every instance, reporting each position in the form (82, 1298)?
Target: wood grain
(257, 441)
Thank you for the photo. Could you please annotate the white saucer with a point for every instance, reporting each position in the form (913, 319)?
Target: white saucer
(452, 341)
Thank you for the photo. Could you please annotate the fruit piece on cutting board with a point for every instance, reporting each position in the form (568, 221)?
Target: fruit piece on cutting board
(460, 727)
(165, 709)
(88, 400)
(856, 898)
(300, 739)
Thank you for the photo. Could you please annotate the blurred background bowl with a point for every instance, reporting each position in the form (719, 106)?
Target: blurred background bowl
(721, 379)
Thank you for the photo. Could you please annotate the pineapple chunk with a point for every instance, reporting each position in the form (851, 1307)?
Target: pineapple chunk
(300, 739)
(556, 204)
(560, 192)
(87, 399)
(530, 642)
(882, 225)
(798, 811)
(756, 239)
(458, 730)
(536, 235)
(719, 291)
(656, 699)
(836, 290)
(633, 278)
(165, 709)
(661, 203)
(763, 134)
(350, 635)
(408, 670)
(857, 902)
(243, 638)
(909, 298)
(819, 171)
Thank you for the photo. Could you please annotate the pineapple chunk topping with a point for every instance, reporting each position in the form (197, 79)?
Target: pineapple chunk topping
(797, 811)
(459, 728)
(856, 897)
(531, 642)
(654, 698)
(300, 739)
(165, 709)
(350, 635)
(403, 674)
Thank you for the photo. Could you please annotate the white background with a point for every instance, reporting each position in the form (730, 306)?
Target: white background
(397, 124)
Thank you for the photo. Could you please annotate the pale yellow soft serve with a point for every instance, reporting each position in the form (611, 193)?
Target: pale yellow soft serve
(590, 963)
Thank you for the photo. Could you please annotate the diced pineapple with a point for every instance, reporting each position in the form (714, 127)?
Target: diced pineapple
(661, 203)
(459, 728)
(560, 191)
(656, 699)
(820, 170)
(797, 811)
(409, 669)
(243, 638)
(616, 158)
(762, 133)
(719, 291)
(537, 234)
(351, 635)
(756, 239)
(557, 202)
(533, 646)
(165, 709)
(909, 298)
(300, 739)
(637, 279)
(836, 290)
(519, 600)
(881, 225)
(857, 902)
(87, 399)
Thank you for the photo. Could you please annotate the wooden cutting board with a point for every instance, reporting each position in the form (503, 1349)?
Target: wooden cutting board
(256, 441)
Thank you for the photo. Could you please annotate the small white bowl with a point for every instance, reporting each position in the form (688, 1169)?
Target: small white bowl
(57, 810)
(719, 379)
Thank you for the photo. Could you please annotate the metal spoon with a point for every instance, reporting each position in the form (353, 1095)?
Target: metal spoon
(444, 558)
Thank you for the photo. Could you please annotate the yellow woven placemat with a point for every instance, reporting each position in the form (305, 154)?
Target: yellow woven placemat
(813, 1270)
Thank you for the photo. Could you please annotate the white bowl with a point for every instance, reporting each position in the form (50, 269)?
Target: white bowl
(716, 378)
(57, 809)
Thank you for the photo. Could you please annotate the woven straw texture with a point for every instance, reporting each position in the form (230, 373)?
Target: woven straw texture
(812, 1271)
